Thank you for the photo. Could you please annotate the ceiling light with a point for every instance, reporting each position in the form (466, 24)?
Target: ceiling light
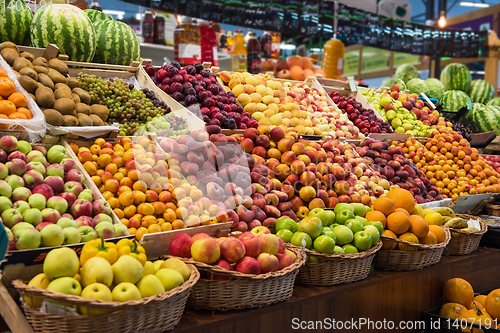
(473, 4)
(442, 20)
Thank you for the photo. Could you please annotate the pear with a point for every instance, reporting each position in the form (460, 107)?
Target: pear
(149, 268)
(40, 281)
(150, 285)
(127, 269)
(157, 264)
(95, 291)
(126, 291)
(177, 265)
(169, 278)
(96, 269)
(62, 262)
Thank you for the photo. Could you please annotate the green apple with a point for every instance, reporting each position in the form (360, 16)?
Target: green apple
(342, 206)
(344, 234)
(354, 225)
(334, 225)
(286, 223)
(378, 225)
(61, 262)
(96, 270)
(40, 281)
(24, 147)
(359, 209)
(319, 213)
(150, 285)
(71, 236)
(312, 259)
(285, 235)
(330, 217)
(349, 249)
(149, 268)
(178, 265)
(66, 285)
(361, 219)
(52, 235)
(86, 195)
(126, 291)
(344, 213)
(330, 233)
(362, 240)
(66, 222)
(312, 225)
(127, 269)
(324, 244)
(338, 250)
(21, 206)
(33, 216)
(373, 231)
(5, 204)
(37, 201)
(302, 239)
(87, 232)
(21, 225)
(157, 264)
(27, 239)
(169, 278)
(95, 291)
(56, 154)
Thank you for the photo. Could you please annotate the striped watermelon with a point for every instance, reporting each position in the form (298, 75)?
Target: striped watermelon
(117, 43)
(15, 20)
(488, 118)
(453, 100)
(481, 91)
(68, 27)
(495, 101)
(475, 108)
(456, 77)
(95, 15)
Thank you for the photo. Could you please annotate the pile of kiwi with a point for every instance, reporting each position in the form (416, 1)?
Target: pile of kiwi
(59, 96)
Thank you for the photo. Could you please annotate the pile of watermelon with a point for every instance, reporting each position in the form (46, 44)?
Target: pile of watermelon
(84, 36)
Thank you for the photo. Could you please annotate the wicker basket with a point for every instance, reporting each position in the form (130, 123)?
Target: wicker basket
(399, 260)
(464, 242)
(332, 269)
(493, 210)
(243, 290)
(157, 313)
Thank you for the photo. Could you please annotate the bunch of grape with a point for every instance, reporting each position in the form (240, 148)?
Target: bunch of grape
(464, 130)
(129, 107)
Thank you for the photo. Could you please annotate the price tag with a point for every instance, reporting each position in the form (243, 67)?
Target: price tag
(352, 83)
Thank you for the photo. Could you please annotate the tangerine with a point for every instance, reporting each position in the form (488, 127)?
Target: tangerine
(389, 244)
(452, 310)
(374, 215)
(7, 86)
(399, 223)
(7, 107)
(418, 226)
(458, 290)
(19, 100)
(384, 205)
(492, 303)
(402, 199)
(408, 237)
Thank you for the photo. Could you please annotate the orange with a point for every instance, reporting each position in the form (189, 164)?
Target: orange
(19, 100)
(2, 116)
(306, 63)
(452, 310)
(297, 73)
(389, 244)
(418, 226)
(476, 316)
(17, 115)
(308, 72)
(481, 299)
(384, 205)
(459, 291)
(3, 73)
(438, 231)
(26, 112)
(319, 71)
(7, 86)
(402, 210)
(402, 199)
(475, 304)
(429, 239)
(492, 303)
(408, 237)
(7, 107)
(373, 215)
(294, 61)
(398, 223)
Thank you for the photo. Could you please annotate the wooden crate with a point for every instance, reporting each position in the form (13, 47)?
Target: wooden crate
(49, 53)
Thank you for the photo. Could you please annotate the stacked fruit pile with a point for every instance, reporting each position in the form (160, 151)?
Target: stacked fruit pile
(452, 165)
(43, 201)
(365, 119)
(396, 169)
(493, 161)
(107, 272)
(256, 252)
(344, 230)
(13, 105)
(293, 68)
(301, 107)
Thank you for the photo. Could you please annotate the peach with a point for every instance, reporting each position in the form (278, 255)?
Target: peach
(307, 193)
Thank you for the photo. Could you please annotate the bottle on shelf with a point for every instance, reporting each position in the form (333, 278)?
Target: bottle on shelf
(239, 53)
(95, 5)
(247, 36)
(148, 23)
(266, 45)
(275, 49)
(229, 41)
(333, 58)
(187, 48)
(253, 54)
(159, 34)
(223, 42)
(209, 47)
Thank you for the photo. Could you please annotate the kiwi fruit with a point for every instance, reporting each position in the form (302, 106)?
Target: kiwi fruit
(17, 74)
(100, 110)
(59, 66)
(21, 63)
(28, 83)
(10, 55)
(96, 121)
(84, 96)
(70, 120)
(29, 72)
(77, 99)
(28, 56)
(41, 61)
(40, 69)
(82, 108)
(62, 86)
(62, 93)
(73, 83)
(56, 76)
(45, 97)
(53, 117)
(85, 120)
(45, 80)
(65, 105)
(9, 45)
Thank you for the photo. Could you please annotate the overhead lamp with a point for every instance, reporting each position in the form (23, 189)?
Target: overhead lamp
(474, 4)
(442, 20)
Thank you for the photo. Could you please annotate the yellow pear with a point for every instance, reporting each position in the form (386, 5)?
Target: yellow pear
(150, 285)
(40, 281)
(127, 269)
(157, 265)
(169, 278)
(149, 268)
(96, 269)
(177, 265)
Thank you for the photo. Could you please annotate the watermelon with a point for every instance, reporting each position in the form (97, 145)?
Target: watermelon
(456, 77)
(475, 107)
(117, 43)
(488, 118)
(95, 15)
(481, 91)
(453, 100)
(15, 20)
(68, 27)
(495, 101)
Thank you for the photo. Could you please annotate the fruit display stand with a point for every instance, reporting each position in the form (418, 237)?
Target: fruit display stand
(50, 52)
(157, 313)
(409, 256)
(465, 242)
(333, 269)
(240, 291)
